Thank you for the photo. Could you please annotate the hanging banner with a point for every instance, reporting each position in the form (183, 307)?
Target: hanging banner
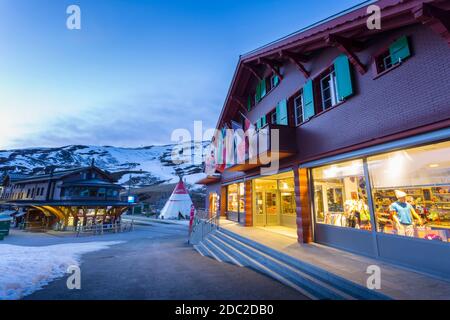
(210, 161)
(191, 219)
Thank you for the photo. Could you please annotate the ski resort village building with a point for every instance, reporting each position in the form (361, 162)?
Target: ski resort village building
(64, 199)
(362, 119)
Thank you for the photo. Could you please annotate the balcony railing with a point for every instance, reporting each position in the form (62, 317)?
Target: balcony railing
(271, 143)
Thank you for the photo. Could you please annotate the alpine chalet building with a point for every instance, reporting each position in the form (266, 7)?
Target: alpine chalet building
(363, 118)
(64, 199)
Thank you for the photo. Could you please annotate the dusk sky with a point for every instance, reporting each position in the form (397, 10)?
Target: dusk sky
(135, 71)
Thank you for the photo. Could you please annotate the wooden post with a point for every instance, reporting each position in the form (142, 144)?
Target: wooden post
(27, 217)
(303, 207)
(223, 201)
(84, 216)
(248, 203)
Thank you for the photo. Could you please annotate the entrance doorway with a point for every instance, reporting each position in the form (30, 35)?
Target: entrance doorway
(267, 208)
(274, 201)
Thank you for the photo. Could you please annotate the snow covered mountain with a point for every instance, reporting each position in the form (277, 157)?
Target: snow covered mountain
(146, 166)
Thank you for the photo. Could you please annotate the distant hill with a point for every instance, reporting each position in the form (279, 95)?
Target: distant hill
(151, 165)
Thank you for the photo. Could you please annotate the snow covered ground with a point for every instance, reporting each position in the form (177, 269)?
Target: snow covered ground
(25, 269)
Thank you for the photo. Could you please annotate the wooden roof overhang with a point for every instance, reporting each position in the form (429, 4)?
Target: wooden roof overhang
(69, 203)
(209, 179)
(346, 31)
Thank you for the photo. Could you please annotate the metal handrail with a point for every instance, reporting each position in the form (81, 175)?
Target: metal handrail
(97, 229)
(203, 226)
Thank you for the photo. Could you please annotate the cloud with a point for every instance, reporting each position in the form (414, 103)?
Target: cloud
(142, 121)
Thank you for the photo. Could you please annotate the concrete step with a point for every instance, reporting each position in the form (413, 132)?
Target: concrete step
(323, 284)
(297, 279)
(218, 253)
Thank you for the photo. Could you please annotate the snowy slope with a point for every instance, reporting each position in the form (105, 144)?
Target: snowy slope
(27, 269)
(146, 166)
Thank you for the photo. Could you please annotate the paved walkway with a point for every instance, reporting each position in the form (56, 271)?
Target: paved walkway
(396, 282)
(156, 263)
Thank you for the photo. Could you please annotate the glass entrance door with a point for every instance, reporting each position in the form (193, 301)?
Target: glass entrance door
(267, 212)
(260, 214)
(272, 211)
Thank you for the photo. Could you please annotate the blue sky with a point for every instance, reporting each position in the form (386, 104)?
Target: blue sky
(135, 71)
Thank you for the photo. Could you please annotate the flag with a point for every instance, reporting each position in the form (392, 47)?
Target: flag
(221, 151)
(191, 219)
(228, 143)
(243, 148)
(210, 161)
(238, 135)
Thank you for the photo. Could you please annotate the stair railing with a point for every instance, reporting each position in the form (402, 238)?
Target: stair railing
(202, 226)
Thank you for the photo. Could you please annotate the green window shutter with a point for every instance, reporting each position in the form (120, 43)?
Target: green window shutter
(263, 121)
(343, 77)
(263, 87)
(399, 50)
(258, 124)
(308, 100)
(276, 80)
(249, 103)
(258, 93)
(282, 114)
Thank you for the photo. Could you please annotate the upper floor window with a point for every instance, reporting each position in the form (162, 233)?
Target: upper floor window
(274, 81)
(328, 89)
(273, 117)
(298, 109)
(397, 52)
(331, 87)
(263, 87)
(261, 122)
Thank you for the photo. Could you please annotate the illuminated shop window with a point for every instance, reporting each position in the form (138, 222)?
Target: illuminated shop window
(233, 198)
(241, 197)
(287, 196)
(411, 191)
(340, 197)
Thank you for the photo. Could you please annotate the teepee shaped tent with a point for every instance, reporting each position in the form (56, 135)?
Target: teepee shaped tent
(178, 205)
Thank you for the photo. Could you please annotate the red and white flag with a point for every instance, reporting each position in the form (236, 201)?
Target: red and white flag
(191, 219)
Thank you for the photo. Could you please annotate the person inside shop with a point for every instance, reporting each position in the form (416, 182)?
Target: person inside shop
(403, 214)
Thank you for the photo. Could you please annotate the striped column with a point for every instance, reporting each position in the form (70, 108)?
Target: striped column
(248, 204)
(223, 201)
(303, 206)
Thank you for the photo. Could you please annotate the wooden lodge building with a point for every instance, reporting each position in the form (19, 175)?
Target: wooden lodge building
(64, 199)
(363, 115)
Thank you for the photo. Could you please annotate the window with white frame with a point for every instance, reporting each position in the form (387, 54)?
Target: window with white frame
(274, 81)
(298, 109)
(273, 117)
(328, 90)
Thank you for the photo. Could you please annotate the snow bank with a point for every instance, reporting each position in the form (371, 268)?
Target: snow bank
(24, 270)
